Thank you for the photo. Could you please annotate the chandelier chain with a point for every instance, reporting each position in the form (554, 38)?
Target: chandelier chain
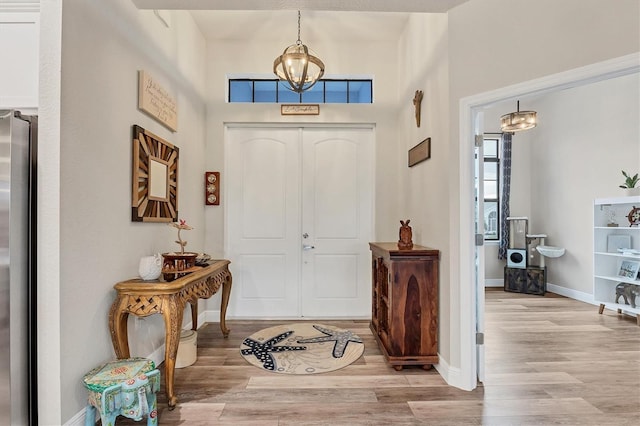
(299, 41)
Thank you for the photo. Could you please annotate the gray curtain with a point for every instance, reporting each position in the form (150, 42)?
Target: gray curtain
(505, 195)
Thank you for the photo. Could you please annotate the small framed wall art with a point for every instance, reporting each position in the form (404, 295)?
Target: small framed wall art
(629, 269)
(212, 188)
(420, 152)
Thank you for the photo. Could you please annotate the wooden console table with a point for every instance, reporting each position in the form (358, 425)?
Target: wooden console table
(144, 298)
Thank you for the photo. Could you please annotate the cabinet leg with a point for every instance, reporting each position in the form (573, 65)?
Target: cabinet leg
(601, 308)
(397, 367)
(427, 367)
(619, 311)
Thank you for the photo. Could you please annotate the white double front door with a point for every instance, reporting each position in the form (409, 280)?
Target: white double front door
(299, 220)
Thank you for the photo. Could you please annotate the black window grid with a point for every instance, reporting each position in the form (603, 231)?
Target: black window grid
(280, 86)
(496, 200)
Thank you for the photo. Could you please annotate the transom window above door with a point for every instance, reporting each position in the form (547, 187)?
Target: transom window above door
(326, 91)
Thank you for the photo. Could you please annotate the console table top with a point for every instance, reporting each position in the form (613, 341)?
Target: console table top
(159, 285)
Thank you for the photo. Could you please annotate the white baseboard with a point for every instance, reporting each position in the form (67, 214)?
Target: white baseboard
(209, 316)
(572, 294)
(78, 419)
(494, 282)
(451, 375)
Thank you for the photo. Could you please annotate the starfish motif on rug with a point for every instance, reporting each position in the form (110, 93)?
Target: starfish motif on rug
(341, 339)
(262, 351)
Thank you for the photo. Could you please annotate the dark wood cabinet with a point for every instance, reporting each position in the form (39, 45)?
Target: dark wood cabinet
(404, 316)
(529, 280)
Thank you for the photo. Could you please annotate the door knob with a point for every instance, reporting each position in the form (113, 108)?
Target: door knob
(307, 247)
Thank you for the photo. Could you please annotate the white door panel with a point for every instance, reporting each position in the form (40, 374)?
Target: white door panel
(263, 221)
(336, 277)
(337, 215)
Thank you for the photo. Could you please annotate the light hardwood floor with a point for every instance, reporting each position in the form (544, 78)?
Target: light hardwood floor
(550, 361)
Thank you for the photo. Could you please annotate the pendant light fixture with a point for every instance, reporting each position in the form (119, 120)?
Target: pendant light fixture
(299, 68)
(519, 120)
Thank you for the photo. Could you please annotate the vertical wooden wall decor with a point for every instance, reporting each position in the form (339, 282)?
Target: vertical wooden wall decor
(212, 188)
(154, 178)
(417, 103)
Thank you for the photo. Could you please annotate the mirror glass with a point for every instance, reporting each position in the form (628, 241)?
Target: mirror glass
(157, 179)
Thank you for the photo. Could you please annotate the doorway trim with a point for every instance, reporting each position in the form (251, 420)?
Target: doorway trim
(469, 108)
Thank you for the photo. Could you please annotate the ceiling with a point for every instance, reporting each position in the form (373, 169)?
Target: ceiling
(327, 20)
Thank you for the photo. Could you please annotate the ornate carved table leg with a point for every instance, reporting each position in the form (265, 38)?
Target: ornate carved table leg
(226, 291)
(194, 315)
(118, 327)
(172, 314)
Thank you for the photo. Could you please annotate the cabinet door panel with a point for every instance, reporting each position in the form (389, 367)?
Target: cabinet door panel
(415, 308)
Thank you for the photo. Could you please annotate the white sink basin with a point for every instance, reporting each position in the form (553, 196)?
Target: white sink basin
(550, 251)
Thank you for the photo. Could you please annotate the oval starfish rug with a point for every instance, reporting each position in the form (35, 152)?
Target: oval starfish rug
(302, 348)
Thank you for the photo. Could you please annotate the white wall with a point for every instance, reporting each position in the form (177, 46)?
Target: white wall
(586, 136)
(423, 65)
(497, 43)
(48, 215)
(104, 44)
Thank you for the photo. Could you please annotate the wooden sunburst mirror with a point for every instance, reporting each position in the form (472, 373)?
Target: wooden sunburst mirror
(155, 178)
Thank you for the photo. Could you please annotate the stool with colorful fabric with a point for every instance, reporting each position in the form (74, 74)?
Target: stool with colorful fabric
(125, 387)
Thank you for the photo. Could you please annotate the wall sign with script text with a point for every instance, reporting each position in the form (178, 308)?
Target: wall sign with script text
(299, 109)
(156, 101)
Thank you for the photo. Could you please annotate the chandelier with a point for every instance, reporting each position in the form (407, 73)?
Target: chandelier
(301, 69)
(519, 120)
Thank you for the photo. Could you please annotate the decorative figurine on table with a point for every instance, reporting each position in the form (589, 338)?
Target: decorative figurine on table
(176, 264)
(150, 267)
(405, 242)
(180, 226)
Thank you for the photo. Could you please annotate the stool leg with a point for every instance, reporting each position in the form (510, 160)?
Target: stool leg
(109, 419)
(90, 416)
(152, 417)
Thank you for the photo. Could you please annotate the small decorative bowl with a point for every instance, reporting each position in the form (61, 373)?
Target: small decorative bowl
(202, 259)
(176, 265)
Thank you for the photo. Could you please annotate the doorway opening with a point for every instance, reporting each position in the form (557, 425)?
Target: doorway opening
(470, 116)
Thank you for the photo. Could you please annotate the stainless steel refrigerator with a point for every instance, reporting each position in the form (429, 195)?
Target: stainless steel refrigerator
(18, 144)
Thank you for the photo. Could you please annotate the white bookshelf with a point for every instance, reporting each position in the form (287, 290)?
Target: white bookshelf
(607, 259)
